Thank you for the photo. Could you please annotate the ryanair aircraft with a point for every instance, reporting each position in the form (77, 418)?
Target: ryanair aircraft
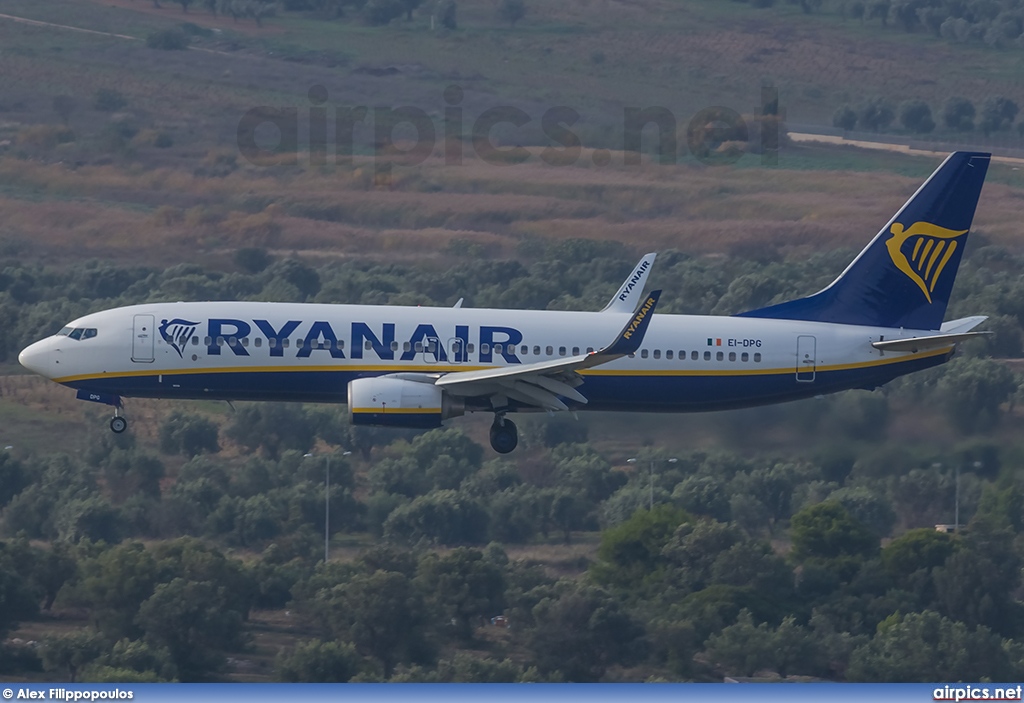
(416, 366)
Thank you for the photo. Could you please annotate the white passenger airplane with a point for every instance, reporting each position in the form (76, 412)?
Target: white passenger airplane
(418, 366)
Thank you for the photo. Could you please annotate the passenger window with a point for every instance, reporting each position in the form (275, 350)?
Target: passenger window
(536, 350)
(258, 342)
(195, 342)
(394, 346)
(368, 345)
(207, 341)
(406, 346)
(668, 354)
(272, 343)
(550, 351)
(485, 348)
(419, 347)
(707, 356)
(575, 351)
(694, 356)
(524, 350)
(632, 355)
(498, 349)
(643, 353)
(719, 356)
(744, 357)
(232, 341)
(76, 333)
(470, 348)
(285, 342)
(757, 357)
(657, 353)
(561, 351)
(732, 356)
(341, 344)
(220, 341)
(590, 350)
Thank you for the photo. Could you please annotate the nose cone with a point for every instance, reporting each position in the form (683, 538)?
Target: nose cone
(33, 358)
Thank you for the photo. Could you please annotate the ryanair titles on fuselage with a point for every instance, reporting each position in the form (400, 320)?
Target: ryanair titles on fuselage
(320, 337)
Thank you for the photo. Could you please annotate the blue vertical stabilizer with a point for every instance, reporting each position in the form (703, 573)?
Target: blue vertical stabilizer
(905, 275)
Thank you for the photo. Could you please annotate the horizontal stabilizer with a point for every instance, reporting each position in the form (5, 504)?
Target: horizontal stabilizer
(916, 344)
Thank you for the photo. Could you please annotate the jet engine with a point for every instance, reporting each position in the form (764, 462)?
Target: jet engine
(399, 402)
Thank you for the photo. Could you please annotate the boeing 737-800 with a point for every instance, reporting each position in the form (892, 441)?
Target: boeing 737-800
(418, 366)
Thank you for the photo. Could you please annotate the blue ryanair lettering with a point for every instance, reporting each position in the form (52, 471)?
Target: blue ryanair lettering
(361, 332)
(277, 348)
(238, 330)
(512, 337)
(321, 331)
(462, 334)
(637, 276)
(424, 334)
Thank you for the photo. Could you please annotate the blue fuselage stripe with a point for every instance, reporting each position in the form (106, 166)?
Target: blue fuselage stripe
(652, 393)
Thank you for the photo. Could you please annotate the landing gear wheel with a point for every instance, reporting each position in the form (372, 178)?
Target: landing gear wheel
(504, 436)
(118, 425)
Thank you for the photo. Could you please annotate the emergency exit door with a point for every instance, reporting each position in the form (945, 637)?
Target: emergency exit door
(806, 358)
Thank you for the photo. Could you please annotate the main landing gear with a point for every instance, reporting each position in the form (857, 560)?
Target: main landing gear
(504, 436)
(118, 424)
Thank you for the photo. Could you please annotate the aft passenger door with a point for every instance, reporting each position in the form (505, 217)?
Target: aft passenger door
(806, 358)
(143, 339)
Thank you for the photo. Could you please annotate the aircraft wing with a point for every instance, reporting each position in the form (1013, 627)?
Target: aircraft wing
(628, 296)
(545, 383)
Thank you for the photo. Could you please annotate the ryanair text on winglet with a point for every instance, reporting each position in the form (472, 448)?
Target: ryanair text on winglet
(636, 278)
(638, 318)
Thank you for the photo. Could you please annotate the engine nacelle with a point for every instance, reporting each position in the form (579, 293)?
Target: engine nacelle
(396, 402)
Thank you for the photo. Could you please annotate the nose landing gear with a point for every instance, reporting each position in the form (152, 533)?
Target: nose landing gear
(504, 436)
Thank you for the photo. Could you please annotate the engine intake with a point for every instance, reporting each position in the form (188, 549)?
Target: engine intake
(397, 402)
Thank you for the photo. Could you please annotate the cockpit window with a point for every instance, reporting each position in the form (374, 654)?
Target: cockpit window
(78, 332)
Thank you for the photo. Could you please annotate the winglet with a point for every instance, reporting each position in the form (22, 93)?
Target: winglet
(632, 288)
(632, 335)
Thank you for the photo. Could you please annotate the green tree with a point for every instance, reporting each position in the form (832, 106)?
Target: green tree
(440, 517)
(464, 587)
(383, 614)
(997, 113)
(632, 553)
(68, 654)
(845, 118)
(114, 584)
(928, 647)
(188, 435)
(876, 114)
(958, 114)
(318, 662)
(916, 116)
(194, 622)
(827, 530)
(973, 390)
(581, 633)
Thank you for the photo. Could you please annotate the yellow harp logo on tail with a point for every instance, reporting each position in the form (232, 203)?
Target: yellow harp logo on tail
(932, 248)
